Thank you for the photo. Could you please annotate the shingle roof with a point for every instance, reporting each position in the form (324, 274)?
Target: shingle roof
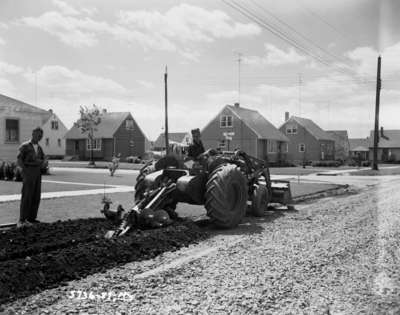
(340, 133)
(19, 106)
(359, 144)
(393, 140)
(173, 137)
(257, 122)
(109, 124)
(312, 128)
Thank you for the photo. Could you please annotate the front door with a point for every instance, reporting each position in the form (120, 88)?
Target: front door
(385, 154)
(77, 147)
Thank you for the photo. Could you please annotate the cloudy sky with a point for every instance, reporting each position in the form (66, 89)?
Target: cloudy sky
(313, 58)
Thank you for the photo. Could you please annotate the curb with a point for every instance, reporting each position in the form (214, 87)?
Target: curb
(340, 190)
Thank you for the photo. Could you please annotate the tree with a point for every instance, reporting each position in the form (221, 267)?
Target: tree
(89, 119)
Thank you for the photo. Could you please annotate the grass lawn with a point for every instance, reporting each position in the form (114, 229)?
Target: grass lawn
(89, 206)
(99, 164)
(65, 208)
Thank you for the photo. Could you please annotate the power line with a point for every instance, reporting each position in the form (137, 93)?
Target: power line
(340, 59)
(282, 35)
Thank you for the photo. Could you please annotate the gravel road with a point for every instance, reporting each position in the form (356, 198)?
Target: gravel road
(337, 255)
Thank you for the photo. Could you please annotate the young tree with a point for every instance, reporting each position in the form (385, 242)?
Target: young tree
(90, 118)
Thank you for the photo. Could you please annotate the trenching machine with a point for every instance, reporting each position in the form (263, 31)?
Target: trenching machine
(226, 183)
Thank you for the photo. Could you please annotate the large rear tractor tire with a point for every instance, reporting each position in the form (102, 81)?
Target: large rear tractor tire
(226, 196)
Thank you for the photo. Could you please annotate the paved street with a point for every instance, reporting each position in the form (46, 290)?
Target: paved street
(337, 255)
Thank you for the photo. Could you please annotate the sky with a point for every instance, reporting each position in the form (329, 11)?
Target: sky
(313, 58)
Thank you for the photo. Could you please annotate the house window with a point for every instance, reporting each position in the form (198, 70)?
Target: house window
(302, 147)
(271, 146)
(59, 142)
(222, 144)
(12, 130)
(54, 124)
(226, 121)
(47, 142)
(129, 124)
(285, 147)
(96, 144)
(291, 129)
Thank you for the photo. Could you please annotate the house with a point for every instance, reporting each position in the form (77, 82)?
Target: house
(359, 148)
(179, 139)
(53, 142)
(236, 127)
(117, 133)
(18, 119)
(342, 145)
(307, 141)
(388, 145)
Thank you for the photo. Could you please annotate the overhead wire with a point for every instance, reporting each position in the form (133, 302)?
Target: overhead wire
(285, 36)
(337, 58)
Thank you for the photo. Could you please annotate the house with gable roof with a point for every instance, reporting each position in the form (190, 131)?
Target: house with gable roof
(236, 127)
(388, 145)
(359, 148)
(307, 141)
(117, 133)
(180, 139)
(342, 145)
(18, 119)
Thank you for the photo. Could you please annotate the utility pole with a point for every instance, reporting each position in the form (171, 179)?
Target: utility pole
(376, 130)
(166, 111)
(36, 88)
(300, 83)
(239, 60)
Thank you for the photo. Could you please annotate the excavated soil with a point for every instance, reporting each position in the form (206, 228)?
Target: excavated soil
(48, 255)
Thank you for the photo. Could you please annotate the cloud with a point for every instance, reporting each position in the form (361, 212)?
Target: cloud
(71, 83)
(146, 84)
(65, 8)
(169, 31)
(72, 31)
(275, 57)
(7, 87)
(7, 68)
(2, 41)
(188, 23)
(365, 60)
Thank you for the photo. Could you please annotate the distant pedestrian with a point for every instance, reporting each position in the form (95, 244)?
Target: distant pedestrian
(114, 164)
(31, 159)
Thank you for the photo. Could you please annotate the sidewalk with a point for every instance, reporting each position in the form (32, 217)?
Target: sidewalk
(347, 172)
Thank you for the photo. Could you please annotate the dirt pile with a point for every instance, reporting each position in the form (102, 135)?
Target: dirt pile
(47, 255)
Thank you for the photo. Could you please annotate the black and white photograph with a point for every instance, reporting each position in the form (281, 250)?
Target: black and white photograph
(200, 157)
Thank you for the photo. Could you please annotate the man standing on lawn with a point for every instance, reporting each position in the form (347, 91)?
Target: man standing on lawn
(31, 159)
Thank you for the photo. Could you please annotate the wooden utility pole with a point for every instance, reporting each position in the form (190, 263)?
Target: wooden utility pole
(239, 60)
(166, 110)
(376, 130)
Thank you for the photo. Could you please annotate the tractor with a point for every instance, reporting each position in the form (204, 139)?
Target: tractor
(226, 183)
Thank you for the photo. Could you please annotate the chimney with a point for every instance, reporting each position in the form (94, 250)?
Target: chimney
(237, 105)
(286, 116)
(50, 111)
(383, 135)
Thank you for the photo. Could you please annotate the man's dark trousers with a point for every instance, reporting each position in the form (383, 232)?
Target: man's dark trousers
(31, 190)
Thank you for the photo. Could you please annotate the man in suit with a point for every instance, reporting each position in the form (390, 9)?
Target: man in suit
(30, 159)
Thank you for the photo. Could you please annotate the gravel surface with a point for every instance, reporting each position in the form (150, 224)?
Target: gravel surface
(338, 255)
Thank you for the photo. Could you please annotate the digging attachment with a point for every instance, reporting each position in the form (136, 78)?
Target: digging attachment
(281, 193)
